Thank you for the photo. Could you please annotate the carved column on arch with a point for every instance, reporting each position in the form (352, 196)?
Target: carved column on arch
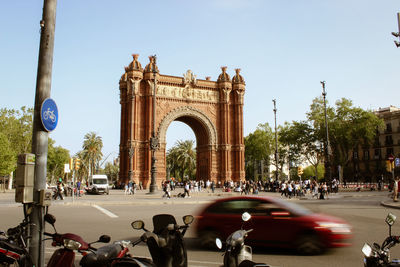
(133, 89)
(225, 86)
(238, 85)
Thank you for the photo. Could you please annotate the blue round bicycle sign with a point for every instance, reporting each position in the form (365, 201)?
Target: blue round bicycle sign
(49, 114)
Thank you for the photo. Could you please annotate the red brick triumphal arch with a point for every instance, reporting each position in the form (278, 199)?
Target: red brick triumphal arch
(213, 110)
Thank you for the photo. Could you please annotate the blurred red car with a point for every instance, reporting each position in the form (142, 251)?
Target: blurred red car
(275, 223)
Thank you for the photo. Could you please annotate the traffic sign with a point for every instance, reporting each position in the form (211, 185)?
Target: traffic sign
(391, 158)
(397, 162)
(49, 114)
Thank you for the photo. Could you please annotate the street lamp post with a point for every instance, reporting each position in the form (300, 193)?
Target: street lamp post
(154, 143)
(276, 143)
(327, 147)
(131, 152)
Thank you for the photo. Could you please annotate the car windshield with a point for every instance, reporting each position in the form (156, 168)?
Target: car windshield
(293, 208)
(99, 181)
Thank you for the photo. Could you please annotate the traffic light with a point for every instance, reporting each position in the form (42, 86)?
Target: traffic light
(77, 164)
(388, 166)
(299, 171)
(71, 163)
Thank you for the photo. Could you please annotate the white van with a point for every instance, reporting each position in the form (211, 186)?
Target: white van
(98, 184)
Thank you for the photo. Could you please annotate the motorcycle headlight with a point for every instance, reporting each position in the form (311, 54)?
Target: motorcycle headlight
(367, 250)
(71, 244)
(338, 228)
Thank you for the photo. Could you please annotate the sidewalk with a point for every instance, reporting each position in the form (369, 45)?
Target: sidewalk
(142, 197)
(390, 203)
(117, 197)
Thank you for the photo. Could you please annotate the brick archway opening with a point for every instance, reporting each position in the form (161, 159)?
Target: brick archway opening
(204, 132)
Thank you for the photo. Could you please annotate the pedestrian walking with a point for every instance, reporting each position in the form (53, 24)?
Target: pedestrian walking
(78, 188)
(166, 189)
(126, 189)
(58, 193)
(186, 189)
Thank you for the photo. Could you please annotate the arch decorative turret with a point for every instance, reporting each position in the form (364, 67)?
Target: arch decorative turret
(213, 109)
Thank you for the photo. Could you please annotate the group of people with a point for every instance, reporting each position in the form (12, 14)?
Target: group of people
(62, 189)
(188, 187)
(288, 189)
(320, 190)
(130, 188)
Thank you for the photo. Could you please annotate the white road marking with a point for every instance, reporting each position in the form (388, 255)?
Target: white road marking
(109, 213)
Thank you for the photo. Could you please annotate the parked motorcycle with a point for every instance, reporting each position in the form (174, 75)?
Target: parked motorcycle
(165, 244)
(237, 254)
(65, 256)
(376, 255)
(13, 246)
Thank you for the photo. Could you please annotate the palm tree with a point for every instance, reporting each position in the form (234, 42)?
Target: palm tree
(83, 170)
(182, 158)
(187, 157)
(91, 153)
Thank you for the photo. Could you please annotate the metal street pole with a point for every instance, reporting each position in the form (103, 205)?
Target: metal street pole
(39, 135)
(327, 147)
(131, 152)
(154, 144)
(276, 143)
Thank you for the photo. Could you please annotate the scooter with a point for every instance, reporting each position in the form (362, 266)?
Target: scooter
(380, 255)
(237, 254)
(65, 256)
(165, 244)
(13, 246)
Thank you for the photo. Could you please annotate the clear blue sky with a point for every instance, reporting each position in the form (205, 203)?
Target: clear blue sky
(284, 48)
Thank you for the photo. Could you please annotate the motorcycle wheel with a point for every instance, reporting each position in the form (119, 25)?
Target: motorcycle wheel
(180, 257)
(229, 260)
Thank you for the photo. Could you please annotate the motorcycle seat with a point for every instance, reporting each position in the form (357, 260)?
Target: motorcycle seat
(102, 256)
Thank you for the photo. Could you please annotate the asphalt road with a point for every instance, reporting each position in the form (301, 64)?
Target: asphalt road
(91, 216)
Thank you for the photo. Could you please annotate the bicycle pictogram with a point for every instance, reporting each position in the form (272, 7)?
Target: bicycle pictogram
(49, 114)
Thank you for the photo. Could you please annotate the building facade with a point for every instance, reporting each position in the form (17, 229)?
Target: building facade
(369, 163)
(213, 110)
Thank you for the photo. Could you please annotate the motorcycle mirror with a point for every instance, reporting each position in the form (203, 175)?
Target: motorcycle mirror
(218, 242)
(104, 239)
(188, 219)
(246, 216)
(137, 225)
(390, 219)
(50, 219)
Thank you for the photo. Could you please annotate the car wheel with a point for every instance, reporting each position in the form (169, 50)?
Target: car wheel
(309, 244)
(207, 239)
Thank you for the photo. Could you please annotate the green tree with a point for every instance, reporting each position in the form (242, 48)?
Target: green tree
(303, 143)
(349, 127)
(56, 158)
(7, 156)
(311, 171)
(181, 159)
(111, 171)
(83, 170)
(259, 146)
(91, 153)
(16, 136)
